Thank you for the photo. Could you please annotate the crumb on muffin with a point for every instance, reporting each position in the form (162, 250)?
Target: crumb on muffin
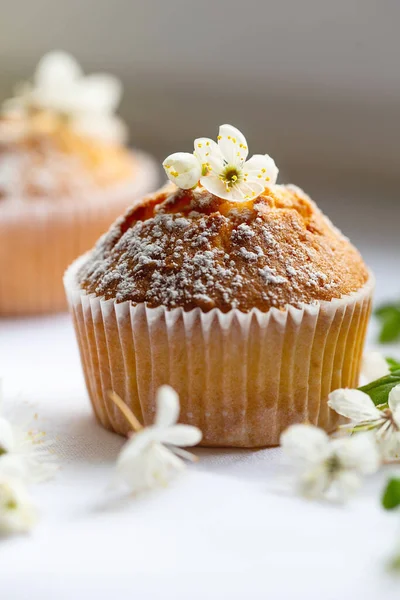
(189, 248)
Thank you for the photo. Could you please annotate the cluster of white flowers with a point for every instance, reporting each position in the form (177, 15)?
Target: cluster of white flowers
(24, 459)
(324, 467)
(332, 468)
(60, 89)
(221, 167)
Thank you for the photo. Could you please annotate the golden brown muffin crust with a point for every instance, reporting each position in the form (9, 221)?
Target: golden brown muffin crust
(184, 248)
(59, 164)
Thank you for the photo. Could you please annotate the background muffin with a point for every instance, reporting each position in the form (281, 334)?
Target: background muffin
(64, 177)
(253, 311)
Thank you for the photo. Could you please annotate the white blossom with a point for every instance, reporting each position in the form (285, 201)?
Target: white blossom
(17, 513)
(24, 453)
(327, 468)
(86, 103)
(183, 169)
(222, 167)
(374, 366)
(383, 421)
(151, 457)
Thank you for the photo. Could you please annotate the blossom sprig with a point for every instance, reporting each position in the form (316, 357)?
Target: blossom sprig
(25, 458)
(374, 407)
(325, 468)
(383, 420)
(153, 454)
(61, 95)
(222, 167)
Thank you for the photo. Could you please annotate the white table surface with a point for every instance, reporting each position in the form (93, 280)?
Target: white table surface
(220, 531)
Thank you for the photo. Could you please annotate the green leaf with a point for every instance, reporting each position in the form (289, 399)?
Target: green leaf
(391, 495)
(379, 390)
(389, 316)
(394, 364)
(394, 564)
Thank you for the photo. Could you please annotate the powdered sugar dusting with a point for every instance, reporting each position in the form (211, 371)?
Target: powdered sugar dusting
(188, 253)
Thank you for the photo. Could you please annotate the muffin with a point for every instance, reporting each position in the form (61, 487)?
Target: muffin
(65, 175)
(248, 302)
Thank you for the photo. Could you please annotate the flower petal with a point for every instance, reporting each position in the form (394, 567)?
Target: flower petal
(153, 467)
(389, 445)
(346, 483)
(394, 404)
(305, 443)
(181, 435)
(107, 128)
(358, 452)
(239, 192)
(314, 483)
(208, 153)
(248, 190)
(233, 145)
(6, 437)
(17, 513)
(183, 169)
(261, 168)
(57, 69)
(137, 443)
(167, 406)
(214, 185)
(374, 366)
(354, 405)
(100, 93)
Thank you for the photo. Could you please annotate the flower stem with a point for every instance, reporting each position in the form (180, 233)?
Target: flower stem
(126, 411)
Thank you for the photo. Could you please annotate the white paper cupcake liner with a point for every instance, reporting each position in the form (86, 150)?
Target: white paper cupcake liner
(242, 378)
(41, 237)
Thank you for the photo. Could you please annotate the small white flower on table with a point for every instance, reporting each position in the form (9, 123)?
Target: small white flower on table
(374, 366)
(17, 513)
(24, 453)
(59, 88)
(328, 468)
(151, 457)
(222, 168)
(383, 421)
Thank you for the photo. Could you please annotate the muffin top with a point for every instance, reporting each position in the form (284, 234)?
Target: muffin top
(60, 164)
(59, 134)
(192, 248)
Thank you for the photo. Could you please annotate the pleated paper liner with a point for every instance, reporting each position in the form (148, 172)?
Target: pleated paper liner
(40, 238)
(242, 378)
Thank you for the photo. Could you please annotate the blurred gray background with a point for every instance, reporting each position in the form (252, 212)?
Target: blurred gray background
(314, 83)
